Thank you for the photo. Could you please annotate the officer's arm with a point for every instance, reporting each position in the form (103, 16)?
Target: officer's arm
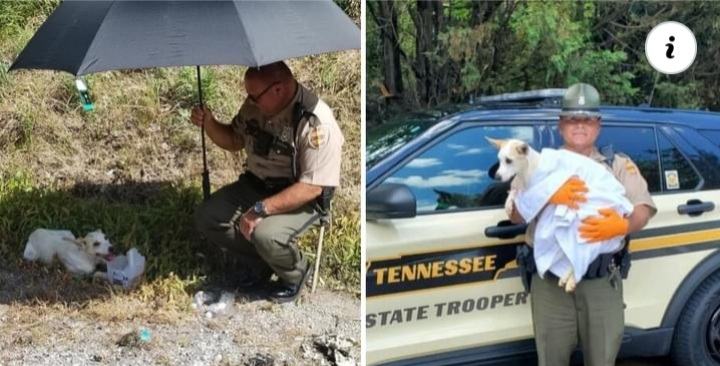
(639, 218)
(224, 136)
(291, 198)
(636, 191)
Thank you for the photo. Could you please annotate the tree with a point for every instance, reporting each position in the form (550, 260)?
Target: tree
(428, 20)
(448, 52)
(385, 16)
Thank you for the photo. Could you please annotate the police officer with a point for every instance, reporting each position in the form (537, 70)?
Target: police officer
(293, 148)
(594, 311)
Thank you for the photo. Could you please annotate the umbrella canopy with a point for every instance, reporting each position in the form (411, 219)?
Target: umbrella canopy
(83, 37)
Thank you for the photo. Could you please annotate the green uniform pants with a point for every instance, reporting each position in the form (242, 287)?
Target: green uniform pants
(273, 246)
(594, 313)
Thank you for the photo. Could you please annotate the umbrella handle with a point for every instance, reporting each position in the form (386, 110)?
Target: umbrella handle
(206, 173)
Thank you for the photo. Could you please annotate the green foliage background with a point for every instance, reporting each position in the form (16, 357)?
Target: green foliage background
(525, 45)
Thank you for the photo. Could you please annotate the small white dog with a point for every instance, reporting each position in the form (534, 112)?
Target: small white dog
(518, 160)
(79, 255)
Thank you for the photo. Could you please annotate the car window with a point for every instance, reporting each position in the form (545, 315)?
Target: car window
(636, 142)
(712, 135)
(453, 174)
(677, 172)
(699, 150)
(639, 144)
(384, 140)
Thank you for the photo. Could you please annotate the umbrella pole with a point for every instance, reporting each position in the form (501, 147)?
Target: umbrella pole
(206, 173)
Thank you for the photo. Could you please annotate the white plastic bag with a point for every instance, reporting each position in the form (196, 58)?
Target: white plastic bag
(126, 270)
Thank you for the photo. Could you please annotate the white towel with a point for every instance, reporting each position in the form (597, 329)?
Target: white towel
(557, 244)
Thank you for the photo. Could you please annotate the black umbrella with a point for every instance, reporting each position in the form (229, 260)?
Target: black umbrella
(83, 37)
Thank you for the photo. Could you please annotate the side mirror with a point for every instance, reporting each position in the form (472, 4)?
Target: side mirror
(390, 201)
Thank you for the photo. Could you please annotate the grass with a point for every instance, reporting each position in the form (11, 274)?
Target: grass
(158, 222)
(132, 167)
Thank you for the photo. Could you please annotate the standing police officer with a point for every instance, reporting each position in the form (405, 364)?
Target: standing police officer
(594, 312)
(293, 147)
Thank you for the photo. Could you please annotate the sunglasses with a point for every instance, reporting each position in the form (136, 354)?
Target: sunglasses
(579, 120)
(256, 98)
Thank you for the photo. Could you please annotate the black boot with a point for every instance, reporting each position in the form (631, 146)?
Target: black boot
(289, 292)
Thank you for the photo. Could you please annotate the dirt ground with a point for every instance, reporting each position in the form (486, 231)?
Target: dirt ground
(47, 318)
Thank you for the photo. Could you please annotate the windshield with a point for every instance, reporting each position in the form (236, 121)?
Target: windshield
(401, 129)
(384, 139)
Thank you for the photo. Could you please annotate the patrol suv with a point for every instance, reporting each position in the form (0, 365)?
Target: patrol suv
(442, 283)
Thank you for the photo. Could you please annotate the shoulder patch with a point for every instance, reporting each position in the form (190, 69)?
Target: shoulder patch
(318, 136)
(627, 164)
(631, 168)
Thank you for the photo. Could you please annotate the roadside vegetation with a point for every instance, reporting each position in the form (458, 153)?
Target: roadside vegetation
(132, 166)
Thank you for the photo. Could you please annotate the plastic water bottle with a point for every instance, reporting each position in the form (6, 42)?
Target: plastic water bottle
(222, 307)
(84, 95)
(201, 299)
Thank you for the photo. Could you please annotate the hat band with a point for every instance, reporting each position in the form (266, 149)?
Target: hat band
(571, 109)
(579, 112)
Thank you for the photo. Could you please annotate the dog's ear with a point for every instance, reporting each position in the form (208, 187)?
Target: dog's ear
(497, 143)
(79, 241)
(522, 149)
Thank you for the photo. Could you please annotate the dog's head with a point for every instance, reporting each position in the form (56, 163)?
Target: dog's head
(513, 157)
(97, 246)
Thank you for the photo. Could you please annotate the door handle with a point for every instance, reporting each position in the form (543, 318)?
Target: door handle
(505, 230)
(695, 207)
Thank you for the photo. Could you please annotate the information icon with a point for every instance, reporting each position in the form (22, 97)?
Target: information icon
(670, 47)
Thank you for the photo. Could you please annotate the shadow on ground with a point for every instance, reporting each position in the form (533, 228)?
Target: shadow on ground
(155, 217)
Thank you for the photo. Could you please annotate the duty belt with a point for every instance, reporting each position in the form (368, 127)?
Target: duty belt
(615, 266)
(270, 184)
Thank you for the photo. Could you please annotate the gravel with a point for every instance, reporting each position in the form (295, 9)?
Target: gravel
(321, 329)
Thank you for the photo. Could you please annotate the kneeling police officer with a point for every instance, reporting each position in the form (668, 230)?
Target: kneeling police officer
(293, 146)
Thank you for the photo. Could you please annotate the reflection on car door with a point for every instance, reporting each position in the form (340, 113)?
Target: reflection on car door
(435, 282)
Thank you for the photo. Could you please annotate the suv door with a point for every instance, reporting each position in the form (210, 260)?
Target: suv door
(435, 282)
(681, 234)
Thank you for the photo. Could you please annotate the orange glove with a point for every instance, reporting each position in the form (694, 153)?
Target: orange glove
(570, 193)
(607, 226)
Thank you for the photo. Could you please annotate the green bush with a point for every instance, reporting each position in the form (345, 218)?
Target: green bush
(15, 14)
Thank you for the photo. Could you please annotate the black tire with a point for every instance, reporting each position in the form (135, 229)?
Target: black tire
(696, 341)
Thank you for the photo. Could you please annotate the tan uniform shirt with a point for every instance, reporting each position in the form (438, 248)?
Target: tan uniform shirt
(624, 170)
(318, 144)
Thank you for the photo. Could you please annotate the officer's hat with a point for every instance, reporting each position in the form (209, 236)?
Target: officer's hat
(581, 100)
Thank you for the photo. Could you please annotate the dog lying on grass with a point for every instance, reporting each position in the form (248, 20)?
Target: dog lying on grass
(79, 255)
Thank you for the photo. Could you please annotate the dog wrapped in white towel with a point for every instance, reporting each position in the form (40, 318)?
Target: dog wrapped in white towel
(557, 244)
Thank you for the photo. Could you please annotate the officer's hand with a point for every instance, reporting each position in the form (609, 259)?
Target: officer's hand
(570, 193)
(604, 227)
(248, 221)
(201, 115)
